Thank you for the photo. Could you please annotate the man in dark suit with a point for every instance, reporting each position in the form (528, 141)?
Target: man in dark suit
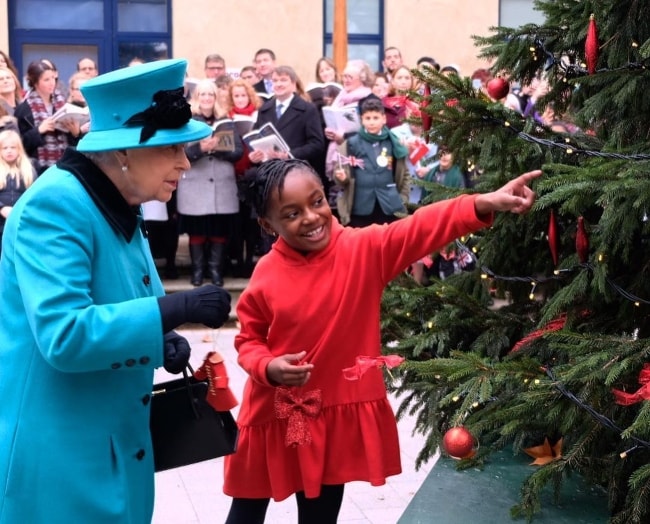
(297, 120)
(264, 66)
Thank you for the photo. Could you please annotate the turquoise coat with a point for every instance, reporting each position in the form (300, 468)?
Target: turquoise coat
(80, 336)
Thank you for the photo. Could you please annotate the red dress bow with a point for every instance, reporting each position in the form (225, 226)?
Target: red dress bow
(643, 393)
(296, 409)
(364, 363)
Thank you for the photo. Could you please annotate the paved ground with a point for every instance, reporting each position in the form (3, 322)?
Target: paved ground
(193, 494)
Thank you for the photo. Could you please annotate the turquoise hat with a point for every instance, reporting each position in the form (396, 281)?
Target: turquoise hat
(140, 106)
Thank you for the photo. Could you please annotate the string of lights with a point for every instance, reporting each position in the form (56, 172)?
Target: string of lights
(566, 144)
(558, 274)
(599, 417)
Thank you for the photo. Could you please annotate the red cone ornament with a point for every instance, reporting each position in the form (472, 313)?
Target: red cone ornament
(552, 237)
(591, 46)
(582, 241)
(498, 88)
(459, 443)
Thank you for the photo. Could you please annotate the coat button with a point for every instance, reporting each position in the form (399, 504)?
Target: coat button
(116, 365)
(146, 399)
(144, 360)
(146, 280)
(130, 363)
(140, 454)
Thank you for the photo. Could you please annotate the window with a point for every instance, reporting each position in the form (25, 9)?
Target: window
(365, 30)
(514, 13)
(111, 32)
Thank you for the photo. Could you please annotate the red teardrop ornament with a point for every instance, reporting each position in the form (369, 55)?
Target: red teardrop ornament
(591, 46)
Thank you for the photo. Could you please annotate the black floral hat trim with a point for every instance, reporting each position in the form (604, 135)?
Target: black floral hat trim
(169, 110)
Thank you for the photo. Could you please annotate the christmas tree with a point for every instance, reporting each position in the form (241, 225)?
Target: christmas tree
(544, 345)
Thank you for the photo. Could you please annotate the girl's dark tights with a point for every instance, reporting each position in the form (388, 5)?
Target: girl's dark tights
(321, 510)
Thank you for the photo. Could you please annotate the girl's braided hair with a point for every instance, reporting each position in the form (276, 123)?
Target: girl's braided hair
(261, 181)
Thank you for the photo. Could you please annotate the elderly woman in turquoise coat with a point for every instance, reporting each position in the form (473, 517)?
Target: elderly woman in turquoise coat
(84, 317)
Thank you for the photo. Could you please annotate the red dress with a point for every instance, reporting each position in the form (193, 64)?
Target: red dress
(328, 304)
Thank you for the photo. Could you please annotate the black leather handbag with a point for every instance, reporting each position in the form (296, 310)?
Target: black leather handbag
(185, 429)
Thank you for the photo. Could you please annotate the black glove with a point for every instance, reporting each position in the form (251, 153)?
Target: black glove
(176, 351)
(209, 305)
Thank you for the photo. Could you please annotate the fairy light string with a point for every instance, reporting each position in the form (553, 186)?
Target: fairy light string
(599, 417)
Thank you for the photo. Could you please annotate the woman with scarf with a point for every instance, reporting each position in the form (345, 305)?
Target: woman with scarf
(44, 139)
(207, 192)
(357, 80)
(85, 319)
(244, 102)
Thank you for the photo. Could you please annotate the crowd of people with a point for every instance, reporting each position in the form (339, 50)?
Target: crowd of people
(224, 238)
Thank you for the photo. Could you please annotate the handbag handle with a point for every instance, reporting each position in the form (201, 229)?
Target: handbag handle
(193, 400)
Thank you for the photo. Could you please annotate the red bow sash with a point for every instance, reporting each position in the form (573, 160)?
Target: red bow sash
(297, 409)
(643, 393)
(364, 363)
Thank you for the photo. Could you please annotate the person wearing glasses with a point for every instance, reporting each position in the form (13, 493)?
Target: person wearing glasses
(215, 66)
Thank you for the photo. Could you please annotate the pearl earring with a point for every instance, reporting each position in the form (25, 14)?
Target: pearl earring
(125, 169)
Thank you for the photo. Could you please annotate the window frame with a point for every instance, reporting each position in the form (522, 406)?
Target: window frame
(358, 38)
(106, 40)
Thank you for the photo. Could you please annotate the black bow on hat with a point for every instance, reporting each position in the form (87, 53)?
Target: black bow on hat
(169, 110)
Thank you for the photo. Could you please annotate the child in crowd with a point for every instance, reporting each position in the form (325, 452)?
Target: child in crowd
(311, 419)
(372, 170)
(447, 172)
(16, 173)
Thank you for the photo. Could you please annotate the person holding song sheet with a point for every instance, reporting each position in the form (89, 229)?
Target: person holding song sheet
(296, 120)
(207, 192)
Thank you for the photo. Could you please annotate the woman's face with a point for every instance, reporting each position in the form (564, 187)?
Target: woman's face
(380, 87)
(326, 72)
(240, 97)
(46, 83)
(351, 78)
(402, 80)
(7, 83)
(152, 173)
(301, 215)
(206, 101)
(9, 150)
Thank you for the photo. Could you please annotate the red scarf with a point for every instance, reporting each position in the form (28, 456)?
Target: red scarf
(248, 110)
(56, 142)
(243, 163)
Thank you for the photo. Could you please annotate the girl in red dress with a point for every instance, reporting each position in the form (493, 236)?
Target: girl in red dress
(309, 313)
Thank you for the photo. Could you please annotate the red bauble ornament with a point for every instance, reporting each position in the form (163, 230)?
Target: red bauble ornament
(591, 46)
(498, 88)
(459, 443)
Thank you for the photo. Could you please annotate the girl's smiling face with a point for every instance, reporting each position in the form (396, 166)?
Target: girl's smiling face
(300, 213)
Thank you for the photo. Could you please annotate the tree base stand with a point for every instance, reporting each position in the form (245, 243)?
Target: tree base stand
(486, 496)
